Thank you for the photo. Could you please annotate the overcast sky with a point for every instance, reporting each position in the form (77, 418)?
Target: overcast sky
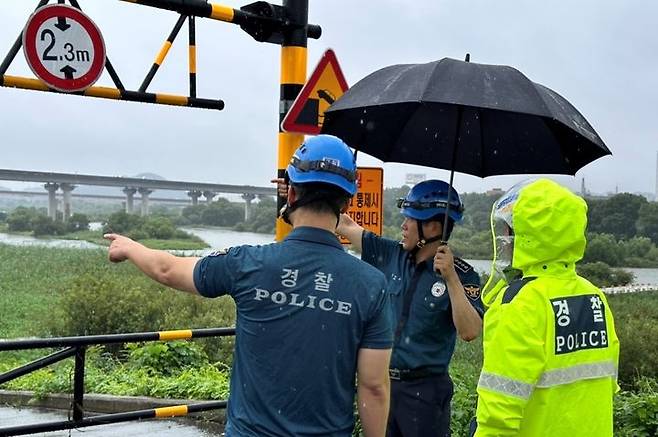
(599, 54)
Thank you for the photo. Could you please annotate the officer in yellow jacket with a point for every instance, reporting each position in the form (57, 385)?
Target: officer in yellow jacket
(550, 347)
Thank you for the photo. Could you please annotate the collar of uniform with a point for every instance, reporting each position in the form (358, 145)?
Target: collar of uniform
(429, 263)
(315, 235)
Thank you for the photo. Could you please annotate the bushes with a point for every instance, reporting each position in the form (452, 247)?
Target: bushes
(110, 301)
(142, 228)
(601, 275)
(635, 322)
(636, 413)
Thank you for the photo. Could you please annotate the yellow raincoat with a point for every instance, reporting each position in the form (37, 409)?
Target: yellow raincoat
(550, 348)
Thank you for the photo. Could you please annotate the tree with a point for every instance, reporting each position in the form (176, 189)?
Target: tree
(647, 222)
(616, 215)
(122, 223)
(20, 219)
(78, 222)
(604, 248)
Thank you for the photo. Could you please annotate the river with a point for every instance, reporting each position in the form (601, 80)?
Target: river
(218, 238)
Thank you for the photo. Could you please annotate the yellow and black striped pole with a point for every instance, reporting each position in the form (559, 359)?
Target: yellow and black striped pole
(293, 77)
(162, 54)
(192, 55)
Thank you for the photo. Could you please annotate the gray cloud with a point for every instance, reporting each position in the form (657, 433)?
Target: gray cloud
(598, 54)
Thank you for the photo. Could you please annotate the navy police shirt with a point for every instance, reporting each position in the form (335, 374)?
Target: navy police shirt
(427, 339)
(304, 309)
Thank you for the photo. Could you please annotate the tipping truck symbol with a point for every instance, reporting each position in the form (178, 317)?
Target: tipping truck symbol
(310, 113)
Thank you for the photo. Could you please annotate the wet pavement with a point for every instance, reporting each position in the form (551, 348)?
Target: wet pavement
(154, 427)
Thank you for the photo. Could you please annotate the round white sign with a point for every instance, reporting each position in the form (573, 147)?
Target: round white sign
(64, 48)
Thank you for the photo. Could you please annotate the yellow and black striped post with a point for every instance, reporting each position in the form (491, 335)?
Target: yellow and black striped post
(162, 54)
(192, 54)
(293, 76)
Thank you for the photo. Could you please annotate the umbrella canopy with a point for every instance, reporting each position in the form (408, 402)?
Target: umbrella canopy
(473, 118)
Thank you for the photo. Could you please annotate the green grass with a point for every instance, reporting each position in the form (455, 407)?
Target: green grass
(31, 281)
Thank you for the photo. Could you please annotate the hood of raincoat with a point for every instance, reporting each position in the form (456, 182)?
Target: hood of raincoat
(549, 227)
(549, 223)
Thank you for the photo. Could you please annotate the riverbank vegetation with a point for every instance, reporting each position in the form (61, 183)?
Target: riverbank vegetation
(48, 292)
(154, 231)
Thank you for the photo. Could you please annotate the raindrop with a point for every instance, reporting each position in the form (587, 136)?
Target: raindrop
(361, 122)
(279, 411)
(407, 340)
(432, 305)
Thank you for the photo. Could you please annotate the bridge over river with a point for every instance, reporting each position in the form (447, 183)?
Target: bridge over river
(66, 183)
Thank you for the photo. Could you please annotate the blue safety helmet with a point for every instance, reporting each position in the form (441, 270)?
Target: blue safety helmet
(326, 159)
(428, 199)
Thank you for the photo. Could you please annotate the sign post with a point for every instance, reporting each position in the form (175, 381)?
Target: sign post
(64, 48)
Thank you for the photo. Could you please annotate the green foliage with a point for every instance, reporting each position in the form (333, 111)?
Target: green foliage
(144, 228)
(124, 300)
(77, 222)
(21, 219)
(601, 275)
(166, 358)
(647, 222)
(636, 413)
(635, 322)
(122, 223)
(107, 375)
(616, 215)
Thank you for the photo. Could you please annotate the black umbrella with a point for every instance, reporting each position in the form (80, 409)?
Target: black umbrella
(473, 118)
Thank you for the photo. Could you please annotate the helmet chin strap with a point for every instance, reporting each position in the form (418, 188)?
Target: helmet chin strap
(422, 241)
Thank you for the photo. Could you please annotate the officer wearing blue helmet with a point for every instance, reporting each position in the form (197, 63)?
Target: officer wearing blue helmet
(309, 315)
(435, 297)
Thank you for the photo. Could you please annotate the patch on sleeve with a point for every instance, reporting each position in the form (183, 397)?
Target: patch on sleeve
(219, 252)
(472, 291)
(579, 323)
(462, 265)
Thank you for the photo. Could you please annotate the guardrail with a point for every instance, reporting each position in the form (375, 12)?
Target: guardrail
(76, 347)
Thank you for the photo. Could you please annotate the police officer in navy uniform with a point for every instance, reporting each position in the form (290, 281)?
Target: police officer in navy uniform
(435, 297)
(309, 315)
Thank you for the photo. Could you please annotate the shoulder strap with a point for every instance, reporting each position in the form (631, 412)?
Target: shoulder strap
(514, 288)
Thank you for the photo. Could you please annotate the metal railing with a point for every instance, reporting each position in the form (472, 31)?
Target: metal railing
(76, 347)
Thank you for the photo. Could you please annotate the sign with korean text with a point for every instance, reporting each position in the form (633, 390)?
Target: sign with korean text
(323, 88)
(64, 48)
(367, 205)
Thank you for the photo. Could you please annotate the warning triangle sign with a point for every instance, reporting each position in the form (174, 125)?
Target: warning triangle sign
(324, 87)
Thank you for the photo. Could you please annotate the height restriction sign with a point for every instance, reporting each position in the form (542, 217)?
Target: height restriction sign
(64, 48)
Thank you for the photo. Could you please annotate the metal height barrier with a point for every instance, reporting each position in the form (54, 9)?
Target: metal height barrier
(76, 347)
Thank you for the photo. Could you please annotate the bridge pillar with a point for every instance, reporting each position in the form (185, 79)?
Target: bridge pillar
(194, 194)
(52, 200)
(209, 195)
(144, 192)
(66, 191)
(130, 197)
(248, 197)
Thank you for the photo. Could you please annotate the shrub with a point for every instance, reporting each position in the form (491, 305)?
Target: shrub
(120, 300)
(636, 413)
(166, 358)
(601, 275)
(635, 322)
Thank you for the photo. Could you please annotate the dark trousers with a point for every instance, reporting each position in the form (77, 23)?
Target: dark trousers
(420, 407)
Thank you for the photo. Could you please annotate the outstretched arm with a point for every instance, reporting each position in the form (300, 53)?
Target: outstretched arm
(163, 267)
(351, 230)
